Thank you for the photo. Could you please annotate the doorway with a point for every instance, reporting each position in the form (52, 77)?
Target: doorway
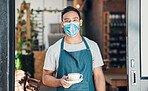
(136, 69)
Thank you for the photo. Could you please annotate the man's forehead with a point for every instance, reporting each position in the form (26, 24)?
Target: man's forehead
(70, 14)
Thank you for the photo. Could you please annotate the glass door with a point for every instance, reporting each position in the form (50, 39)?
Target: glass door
(137, 45)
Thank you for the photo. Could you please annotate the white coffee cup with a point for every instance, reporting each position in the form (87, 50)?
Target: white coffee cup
(74, 76)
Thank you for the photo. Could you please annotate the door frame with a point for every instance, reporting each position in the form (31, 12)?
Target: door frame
(135, 81)
(7, 45)
(133, 42)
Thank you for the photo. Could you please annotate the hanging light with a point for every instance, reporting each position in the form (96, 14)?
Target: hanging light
(78, 6)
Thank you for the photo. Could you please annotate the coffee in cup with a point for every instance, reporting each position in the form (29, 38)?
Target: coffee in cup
(74, 76)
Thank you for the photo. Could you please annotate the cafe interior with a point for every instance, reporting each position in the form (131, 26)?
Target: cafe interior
(38, 27)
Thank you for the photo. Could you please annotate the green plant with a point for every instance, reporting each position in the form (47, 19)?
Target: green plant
(19, 45)
(18, 61)
(20, 40)
(23, 61)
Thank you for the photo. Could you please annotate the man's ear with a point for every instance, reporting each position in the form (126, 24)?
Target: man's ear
(62, 24)
(81, 22)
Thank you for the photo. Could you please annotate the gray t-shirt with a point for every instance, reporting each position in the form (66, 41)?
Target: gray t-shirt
(53, 53)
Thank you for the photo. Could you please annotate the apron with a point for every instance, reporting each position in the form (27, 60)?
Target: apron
(76, 62)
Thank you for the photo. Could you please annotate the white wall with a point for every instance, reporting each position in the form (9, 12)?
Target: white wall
(49, 18)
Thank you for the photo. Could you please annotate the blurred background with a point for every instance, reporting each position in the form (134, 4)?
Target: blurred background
(38, 27)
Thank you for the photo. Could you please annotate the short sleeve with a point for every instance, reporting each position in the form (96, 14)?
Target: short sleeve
(50, 61)
(97, 57)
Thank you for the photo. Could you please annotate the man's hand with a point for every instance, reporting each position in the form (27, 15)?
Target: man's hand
(63, 83)
(51, 81)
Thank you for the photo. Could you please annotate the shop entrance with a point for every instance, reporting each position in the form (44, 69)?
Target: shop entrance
(124, 50)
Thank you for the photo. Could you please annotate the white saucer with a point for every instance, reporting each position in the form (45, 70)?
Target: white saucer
(74, 81)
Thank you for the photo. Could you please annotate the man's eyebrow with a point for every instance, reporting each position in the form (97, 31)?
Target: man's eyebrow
(66, 18)
(75, 18)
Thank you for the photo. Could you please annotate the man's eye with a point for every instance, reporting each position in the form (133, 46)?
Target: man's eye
(66, 20)
(75, 20)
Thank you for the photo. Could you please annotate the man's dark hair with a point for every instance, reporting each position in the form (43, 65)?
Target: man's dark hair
(70, 8)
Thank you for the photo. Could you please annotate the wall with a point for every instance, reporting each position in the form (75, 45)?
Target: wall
(49, 18)
(115, 5)
(93, 17)
(93, 20)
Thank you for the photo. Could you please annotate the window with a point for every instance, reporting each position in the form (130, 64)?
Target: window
(69, 2)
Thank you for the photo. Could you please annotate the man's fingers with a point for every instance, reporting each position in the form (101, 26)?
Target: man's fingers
(64, 77)
(67, 85)
(64, 84)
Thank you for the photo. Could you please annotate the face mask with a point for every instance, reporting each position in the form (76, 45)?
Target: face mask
(71, 28)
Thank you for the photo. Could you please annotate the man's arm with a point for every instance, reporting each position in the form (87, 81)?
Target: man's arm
(51, 81)
(99, 80)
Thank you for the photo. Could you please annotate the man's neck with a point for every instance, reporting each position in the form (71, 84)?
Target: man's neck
(73, 39)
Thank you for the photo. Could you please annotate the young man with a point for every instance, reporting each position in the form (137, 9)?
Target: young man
(73, 54)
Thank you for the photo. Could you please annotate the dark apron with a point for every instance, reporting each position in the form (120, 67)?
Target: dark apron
(76, 62)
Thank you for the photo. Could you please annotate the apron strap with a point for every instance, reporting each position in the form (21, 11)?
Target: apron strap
(62, 43)
(85, 42)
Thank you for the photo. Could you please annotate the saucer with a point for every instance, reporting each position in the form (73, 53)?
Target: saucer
(74, 81)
